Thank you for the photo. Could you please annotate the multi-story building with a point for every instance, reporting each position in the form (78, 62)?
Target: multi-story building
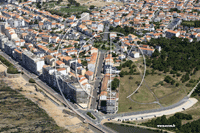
(85, 16)
(171, 33)
(110, 69)
(69, 86)
(108, 99)
(32, 62)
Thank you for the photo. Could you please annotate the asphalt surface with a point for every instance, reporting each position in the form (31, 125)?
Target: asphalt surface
(97, 81)
(105, 36)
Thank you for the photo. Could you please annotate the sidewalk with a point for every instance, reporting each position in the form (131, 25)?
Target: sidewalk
(190, 102)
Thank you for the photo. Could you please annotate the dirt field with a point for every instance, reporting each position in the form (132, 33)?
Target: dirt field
(73, 124)
(98, 3)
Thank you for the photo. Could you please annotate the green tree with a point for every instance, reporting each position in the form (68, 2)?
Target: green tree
(155, 53)
(77, 4)
(12, 70)
(114, 84)
(92, 7)
(168, 79)
(31, 80)
(38, 5)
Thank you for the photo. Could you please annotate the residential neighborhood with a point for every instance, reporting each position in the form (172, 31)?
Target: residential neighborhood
(82, 55)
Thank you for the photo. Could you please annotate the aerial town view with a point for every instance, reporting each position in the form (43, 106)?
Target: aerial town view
(100, 66)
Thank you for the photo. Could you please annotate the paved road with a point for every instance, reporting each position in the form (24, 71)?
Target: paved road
(105, 36)
(56, 95)
(97, 81)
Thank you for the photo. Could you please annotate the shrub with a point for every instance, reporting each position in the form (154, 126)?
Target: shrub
(178, 74)
(172, 82)
(168, 79)
(12, 70)
(188, 85)
(90, 115)
(31, 80)
(115, 84)
(4, 61)
(177, 84)
(130, 77)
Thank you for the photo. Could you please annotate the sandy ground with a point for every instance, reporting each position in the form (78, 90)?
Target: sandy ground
(73, 124)
(2, 68)
(98, 3)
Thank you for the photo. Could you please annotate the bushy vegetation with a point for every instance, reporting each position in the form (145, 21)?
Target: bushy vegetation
(174, 9)
(6, 62)
(22, 115)
(168, 79)
(195, 23)
(31, 80)
(84, 63)
(175, 120)
(125, 30)
(177, 54)
(114, 84)
(197, 91)
(90, 115)
(129, 64)
(12, 70)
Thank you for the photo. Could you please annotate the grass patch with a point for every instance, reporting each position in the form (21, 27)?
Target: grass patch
(172, 99)
(167, 93)
(6, 62)
(73, 9)
(12, 70)
(90, 115)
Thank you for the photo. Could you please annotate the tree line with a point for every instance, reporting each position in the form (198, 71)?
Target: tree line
(128, 64)
(195, 23)
(125, 30)
(176, 120)
(177, 54)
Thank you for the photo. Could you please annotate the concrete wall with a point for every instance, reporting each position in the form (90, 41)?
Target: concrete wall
(12, 75)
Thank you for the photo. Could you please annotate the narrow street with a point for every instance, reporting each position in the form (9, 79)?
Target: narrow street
(97, 81)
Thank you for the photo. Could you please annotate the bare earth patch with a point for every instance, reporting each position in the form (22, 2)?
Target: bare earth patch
(72, 123)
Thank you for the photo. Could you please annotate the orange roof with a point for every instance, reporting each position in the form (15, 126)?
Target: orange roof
(89, 73)
(17, 51)
(148, 49)
(59, 62)
(61, 69)
(104, 93)
(82, 79)
(49, 56)
(175, 32)
(67, 58)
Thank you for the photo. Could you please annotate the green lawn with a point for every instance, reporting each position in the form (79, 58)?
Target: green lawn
(73, 9)
(173, 98)
(127, 86)
(167, 93)
(188, 23)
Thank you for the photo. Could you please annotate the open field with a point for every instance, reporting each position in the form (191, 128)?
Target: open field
(172, 99)
(73, 9)
(67, 122)
(127, 86)
(188, 23)
(98, 3)
(143, 95)
(166, 93)
(18, 114)
(128, 106)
